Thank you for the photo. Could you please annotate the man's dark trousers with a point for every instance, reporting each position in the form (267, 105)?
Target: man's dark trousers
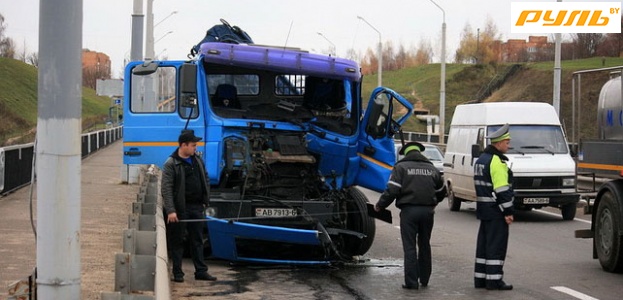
(195, 236)
(491, 248)
(416, 226)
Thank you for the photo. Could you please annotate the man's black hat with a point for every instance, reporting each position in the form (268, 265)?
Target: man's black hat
(188, 136)
(411, 146)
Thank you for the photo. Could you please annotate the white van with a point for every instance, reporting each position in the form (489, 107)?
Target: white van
(543, 170)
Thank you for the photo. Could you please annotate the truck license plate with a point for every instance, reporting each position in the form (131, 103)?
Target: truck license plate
(275, 212)
(535, 200)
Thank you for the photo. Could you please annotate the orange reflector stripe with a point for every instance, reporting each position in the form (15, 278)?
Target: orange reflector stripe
(601, 167)
(155, 144)
(380, 163)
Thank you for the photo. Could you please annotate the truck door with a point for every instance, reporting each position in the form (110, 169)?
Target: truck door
(386, 112)
(160, 100)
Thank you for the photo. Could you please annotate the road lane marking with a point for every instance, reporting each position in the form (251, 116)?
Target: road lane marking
(573, 293)
(558, 215)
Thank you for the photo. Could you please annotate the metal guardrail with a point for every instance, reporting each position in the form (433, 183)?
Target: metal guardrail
(16, 161)
(141, 270)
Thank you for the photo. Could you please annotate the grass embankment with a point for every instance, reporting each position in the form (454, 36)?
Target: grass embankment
(18, 103)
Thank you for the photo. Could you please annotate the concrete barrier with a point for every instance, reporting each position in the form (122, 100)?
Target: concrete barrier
(141, 270)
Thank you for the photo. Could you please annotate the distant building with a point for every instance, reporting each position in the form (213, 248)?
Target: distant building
(536, 48)
(95, 65)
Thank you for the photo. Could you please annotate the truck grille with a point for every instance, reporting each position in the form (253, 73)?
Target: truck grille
(537, 182)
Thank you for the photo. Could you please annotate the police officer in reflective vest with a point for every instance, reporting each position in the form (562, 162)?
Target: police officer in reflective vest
(417, 187)
(494, 208)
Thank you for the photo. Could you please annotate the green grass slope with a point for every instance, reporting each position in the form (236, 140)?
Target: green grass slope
(18, 103)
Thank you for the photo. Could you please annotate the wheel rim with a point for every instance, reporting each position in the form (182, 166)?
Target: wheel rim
(605, 231)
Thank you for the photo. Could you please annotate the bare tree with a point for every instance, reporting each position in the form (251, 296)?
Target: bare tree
(585, 44)
(7, 46)
(424, 53)
(480, 47)
(33, 59)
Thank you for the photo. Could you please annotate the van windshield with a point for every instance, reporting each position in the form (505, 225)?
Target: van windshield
(535, 139)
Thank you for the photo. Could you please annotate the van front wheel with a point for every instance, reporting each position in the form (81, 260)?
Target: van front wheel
(568, 211)
(454, 203)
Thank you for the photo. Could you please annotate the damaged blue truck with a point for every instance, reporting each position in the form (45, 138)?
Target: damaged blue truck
(287, 141)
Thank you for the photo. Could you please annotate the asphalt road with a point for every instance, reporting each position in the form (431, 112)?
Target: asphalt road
(544, 261)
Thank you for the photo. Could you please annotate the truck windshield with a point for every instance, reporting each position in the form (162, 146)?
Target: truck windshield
(535, 139)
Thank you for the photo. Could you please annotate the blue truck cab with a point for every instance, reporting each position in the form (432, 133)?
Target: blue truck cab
(286, 140)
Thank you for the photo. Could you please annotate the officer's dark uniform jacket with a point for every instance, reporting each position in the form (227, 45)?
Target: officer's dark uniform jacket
(173, 195)
(494, 195)
(410, 183)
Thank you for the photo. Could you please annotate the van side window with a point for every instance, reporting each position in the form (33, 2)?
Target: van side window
(480, 139)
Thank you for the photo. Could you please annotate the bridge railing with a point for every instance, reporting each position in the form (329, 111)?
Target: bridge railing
(16, 162)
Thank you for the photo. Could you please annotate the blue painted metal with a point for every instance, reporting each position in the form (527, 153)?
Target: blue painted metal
(223, 235)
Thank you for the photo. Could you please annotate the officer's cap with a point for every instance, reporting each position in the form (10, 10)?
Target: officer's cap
(500, 134)
(408, 147)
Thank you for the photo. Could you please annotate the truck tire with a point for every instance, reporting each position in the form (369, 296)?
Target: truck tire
(358, 220)
(568, 211)
(607, 242)
(454, 203)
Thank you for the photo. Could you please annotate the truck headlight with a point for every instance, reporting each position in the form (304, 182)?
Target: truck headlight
(210, 212)
(568, 181)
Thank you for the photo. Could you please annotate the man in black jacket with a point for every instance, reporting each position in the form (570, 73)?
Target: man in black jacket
(417, 186)
(185, 191)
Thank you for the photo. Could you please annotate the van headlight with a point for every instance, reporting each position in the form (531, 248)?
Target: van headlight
(569, 181)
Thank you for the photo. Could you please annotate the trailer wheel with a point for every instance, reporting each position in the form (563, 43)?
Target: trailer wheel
(608, 243)
(568, 211)
(454, 203)
(358, 220)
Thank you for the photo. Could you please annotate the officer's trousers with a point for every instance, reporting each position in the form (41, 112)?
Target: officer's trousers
(416, 226)
(490, 252)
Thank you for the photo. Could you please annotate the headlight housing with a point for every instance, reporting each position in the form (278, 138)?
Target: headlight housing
(568, 181)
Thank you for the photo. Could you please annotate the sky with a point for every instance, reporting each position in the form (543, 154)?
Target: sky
(180, 24)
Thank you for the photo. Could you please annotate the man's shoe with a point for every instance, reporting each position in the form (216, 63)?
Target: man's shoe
(410, 287)
(502, 286)
(178, 278)
(204, 276)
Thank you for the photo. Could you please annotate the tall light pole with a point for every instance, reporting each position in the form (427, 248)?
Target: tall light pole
(380, 54)
(442, 87)
(332, 44)
(557, 72)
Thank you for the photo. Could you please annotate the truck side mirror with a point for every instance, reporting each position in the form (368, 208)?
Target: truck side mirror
(147, 68)
(476, 151)
(188, 85)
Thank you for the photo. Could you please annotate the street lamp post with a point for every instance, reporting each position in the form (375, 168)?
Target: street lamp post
(380, 54)
(168, 32)
(442, 87)
(332, 44)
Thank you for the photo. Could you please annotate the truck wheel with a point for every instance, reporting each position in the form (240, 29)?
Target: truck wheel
(358, 220)
(454, 203)
(568, 211)
(608, 243)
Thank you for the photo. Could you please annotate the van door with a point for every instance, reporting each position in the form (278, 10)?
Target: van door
(463, 185)
(386, 112)
(160, 100)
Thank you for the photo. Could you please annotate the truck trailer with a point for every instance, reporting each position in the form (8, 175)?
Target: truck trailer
(602, 157)
(286, 140)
